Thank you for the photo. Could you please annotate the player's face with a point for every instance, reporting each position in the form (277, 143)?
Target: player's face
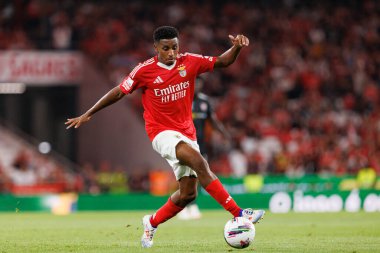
(167, 50)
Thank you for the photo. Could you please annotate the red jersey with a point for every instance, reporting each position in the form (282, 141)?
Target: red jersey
(167, 92)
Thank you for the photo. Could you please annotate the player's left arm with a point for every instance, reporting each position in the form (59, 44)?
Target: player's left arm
(229, 57)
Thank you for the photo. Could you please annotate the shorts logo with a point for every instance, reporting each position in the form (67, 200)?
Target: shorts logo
(182, 70)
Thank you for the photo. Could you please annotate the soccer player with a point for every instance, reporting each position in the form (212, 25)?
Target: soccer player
(167, 83)
(202, 113)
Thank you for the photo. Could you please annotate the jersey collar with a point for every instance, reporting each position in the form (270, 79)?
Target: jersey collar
(166, 66)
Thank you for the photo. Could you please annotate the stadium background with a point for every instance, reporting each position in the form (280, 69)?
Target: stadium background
(302, 103)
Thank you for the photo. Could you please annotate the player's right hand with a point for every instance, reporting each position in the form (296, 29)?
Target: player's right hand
(76, 122)
(239, 41)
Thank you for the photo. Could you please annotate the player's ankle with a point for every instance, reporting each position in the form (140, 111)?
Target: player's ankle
(152, 223)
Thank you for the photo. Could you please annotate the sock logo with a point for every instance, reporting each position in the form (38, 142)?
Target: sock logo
(228, 199)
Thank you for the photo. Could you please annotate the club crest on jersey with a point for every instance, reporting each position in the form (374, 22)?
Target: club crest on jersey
(182, 70)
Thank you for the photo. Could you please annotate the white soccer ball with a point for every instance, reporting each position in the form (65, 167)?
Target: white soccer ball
(239, 232)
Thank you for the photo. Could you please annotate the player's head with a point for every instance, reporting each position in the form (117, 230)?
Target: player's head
(166, 44)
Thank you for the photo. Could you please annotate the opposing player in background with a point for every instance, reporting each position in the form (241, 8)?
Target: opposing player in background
(167, 83)
(202, 114)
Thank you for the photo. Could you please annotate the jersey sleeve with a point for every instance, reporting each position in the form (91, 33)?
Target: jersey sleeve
(132, 81)
(205, 63)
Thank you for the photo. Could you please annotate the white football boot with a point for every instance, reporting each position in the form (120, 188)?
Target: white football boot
(253, 215)
(149, 230)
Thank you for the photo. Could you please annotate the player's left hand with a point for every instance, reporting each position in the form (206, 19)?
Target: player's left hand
(239, 41)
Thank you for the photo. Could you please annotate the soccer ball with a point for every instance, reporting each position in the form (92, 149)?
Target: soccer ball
(239, 232)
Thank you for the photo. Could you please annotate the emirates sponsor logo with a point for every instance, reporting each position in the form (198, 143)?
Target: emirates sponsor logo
(172, 92)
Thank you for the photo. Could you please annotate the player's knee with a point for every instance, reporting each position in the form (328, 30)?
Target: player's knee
(188, 197)
(201, 166)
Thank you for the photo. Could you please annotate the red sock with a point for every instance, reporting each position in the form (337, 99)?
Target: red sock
(167, 211)
(217, 191)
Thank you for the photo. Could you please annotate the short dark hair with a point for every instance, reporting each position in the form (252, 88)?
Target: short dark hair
(165, 32)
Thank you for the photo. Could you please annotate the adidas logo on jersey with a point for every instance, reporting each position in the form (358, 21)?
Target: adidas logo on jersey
(158, 80)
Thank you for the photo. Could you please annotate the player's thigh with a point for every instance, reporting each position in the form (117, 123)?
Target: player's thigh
(165, 144)
(191, 157)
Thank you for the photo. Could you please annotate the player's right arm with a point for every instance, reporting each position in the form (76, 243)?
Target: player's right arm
(128, 85)
(111, 97)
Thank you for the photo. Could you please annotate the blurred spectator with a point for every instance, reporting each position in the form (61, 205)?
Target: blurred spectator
(88, 174)
(4, 180)
(306, 101)
(138, 181)
(22, 171)
(62, 33)
(111, 180)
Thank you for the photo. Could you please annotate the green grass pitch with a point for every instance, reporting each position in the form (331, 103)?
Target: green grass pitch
(121, 231)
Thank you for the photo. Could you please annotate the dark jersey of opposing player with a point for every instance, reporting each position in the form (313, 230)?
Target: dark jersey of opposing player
(201, 112)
